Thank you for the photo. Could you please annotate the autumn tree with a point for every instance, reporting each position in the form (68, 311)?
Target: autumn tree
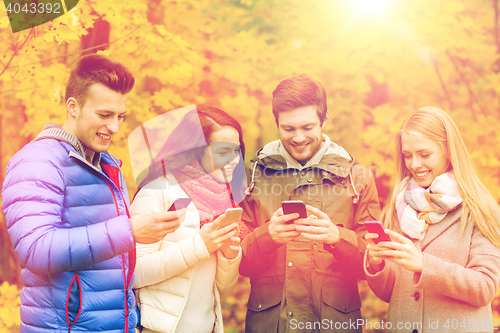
(376, 63)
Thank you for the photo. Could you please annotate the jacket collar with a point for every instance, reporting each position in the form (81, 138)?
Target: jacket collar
(57, 132)
(437, 229)
(105, 158)
(335, 160)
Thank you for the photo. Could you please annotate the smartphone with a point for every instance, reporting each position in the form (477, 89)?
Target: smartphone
(294, 206)
(376, 227)
(232, 216)
(179, 204)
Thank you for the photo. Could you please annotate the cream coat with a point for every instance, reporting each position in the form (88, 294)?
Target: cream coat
(459, 279)
(163, 274)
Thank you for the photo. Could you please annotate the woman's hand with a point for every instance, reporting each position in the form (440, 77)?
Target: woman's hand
(373, 250)
(214, 237)
(231, 247)
(402, 251)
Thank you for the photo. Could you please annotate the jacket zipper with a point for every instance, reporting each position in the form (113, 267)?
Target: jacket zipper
(126, 283)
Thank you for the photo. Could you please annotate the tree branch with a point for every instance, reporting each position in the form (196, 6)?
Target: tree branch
(497, 37)
(443, 85)
(15, 52)
(472, 96)
(80, 51)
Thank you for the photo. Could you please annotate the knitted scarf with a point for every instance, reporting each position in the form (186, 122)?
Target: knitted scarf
(417, 207)
(210, 197)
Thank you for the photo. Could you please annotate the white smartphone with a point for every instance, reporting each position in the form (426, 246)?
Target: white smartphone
(232, 216)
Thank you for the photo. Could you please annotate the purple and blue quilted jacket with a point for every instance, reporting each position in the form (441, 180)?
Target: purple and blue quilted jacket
(68, 222)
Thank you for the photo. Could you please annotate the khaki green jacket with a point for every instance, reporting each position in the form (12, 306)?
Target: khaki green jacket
(317, 283)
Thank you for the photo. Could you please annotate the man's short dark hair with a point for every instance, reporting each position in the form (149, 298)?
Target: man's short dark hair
(297, 92)
(96, 68)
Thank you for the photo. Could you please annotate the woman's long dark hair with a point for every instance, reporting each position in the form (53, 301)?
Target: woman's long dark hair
(188, 140)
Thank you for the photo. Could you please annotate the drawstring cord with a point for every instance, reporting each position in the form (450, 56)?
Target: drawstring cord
(252, 184)
(356, 198)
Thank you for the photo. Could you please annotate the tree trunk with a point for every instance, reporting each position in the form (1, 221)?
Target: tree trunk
(9, 267)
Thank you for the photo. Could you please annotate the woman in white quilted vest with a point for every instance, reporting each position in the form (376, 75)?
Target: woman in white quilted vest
(180, 280)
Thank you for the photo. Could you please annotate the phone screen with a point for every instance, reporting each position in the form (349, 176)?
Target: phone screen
(376, 227)
(179, 204)
(294, 206)
(232, 216)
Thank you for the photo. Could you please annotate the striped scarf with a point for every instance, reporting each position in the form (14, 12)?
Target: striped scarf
(417, 207)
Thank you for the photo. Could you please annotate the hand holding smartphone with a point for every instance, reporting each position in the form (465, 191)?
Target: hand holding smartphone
(294, 206)
(232, 216)
(376, 227)
(179, 204)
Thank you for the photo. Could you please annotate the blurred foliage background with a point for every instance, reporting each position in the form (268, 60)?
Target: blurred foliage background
(378, 60)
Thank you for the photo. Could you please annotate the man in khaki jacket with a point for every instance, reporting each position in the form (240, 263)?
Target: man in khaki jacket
(304, 274)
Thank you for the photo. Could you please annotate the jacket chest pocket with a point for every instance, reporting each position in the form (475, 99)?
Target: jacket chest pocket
(340, 210)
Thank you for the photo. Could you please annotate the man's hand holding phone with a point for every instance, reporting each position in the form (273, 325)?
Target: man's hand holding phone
(318, 227)
(281, 227)
(151, 227)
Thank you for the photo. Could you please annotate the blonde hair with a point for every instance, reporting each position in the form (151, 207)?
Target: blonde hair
(478, 204)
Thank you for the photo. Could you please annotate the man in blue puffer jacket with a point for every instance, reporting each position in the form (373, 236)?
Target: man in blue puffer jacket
(66, 205)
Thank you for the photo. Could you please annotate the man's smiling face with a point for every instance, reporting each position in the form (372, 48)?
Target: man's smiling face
(301, 132)
(100, 118)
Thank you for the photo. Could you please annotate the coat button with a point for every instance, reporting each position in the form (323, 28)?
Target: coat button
(295, 173)
(290, 314)
(290, 264)
(309, 180)
(416, 296)
(259, 306)
(343, 182)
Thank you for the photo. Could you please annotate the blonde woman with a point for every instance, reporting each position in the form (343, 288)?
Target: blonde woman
(441, 270)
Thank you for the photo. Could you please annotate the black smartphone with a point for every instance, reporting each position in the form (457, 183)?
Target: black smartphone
(179, 204)
(376, 227)
(294, 206)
